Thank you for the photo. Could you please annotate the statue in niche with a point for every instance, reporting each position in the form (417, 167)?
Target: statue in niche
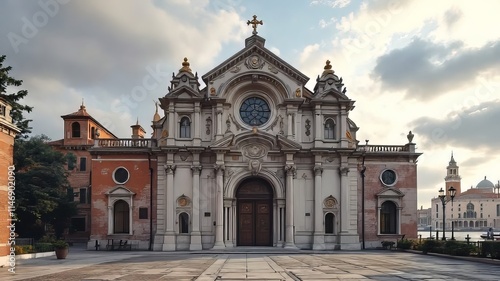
(281, 125)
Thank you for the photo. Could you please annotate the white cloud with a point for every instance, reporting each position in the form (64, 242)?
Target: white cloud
(332, 3)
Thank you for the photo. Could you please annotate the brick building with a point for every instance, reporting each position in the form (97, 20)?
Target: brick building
(8, 132)
(80, 133)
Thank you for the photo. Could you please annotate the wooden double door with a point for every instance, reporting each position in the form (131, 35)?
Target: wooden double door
(255, 216)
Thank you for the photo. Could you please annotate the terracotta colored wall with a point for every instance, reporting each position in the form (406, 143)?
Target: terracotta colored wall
(406, 183)
(6, 160)
(138, 183)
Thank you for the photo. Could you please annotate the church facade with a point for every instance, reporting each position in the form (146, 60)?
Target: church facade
(254, 158)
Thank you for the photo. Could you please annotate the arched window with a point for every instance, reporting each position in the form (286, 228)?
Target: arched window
(330, 129)
(75, 130)
(121, 217)
(470, 211)
(388, 218)
(329, 223)
(185, 128)
(183, 223)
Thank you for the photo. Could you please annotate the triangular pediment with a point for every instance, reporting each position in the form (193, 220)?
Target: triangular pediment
(120, 191)
(331, 94)
(183, 92)
(269, 61)
(390, 192)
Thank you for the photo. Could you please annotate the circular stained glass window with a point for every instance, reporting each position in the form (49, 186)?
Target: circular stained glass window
(255, 111)
(121, 175)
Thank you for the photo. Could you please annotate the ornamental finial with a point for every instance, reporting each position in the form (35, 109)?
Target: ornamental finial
(185, 66)
(328, 69)
(254, 24)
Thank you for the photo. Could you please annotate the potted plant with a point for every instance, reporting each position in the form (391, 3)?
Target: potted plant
(61, 248)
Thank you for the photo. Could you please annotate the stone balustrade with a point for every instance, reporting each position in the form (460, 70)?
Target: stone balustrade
(122, 143)
(384, 148)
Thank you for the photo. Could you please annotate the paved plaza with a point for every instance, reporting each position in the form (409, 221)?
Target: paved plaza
(250, 265)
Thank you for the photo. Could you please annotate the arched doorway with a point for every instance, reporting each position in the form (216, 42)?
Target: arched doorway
(254, 218)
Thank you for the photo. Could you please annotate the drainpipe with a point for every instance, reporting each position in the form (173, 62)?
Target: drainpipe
(150, 203)
(363, 170)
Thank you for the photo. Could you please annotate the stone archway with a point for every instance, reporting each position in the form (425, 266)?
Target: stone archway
(254, 198)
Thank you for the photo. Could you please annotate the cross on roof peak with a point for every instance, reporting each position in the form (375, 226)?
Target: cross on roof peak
(254, 24)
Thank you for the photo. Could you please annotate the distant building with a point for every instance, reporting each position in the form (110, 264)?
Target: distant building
(477, 208)
(424, 218)
(8, 132)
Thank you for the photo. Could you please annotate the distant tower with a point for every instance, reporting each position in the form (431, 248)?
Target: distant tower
(452, 176)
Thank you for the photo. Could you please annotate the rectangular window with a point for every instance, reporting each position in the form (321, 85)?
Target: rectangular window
(83, 164)
(83, 195)
(498, 210)
(143, 213)
(2, 110)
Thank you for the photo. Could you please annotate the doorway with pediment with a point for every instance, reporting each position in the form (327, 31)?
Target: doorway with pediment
(254, 218)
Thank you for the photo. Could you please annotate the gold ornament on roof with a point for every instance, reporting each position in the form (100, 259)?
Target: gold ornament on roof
(254, 24)
(328, 68)
(185, 66)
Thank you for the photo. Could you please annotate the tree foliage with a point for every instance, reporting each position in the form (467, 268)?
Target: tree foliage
(18, 109)
(41, 184)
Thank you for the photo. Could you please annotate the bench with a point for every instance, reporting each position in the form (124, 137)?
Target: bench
(118, 246)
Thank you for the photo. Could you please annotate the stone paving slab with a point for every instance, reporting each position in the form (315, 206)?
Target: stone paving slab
(285, 265)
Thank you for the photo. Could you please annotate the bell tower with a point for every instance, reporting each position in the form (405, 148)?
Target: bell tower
(452, 176)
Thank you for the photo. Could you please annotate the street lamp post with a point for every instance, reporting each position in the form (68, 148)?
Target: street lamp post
(452, 191)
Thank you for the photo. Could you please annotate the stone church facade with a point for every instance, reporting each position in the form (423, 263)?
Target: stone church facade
(254, 158)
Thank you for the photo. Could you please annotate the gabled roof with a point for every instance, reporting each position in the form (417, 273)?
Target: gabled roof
(255, 45)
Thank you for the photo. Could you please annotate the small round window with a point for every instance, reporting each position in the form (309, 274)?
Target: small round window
(255, 111)
(388, 177)
(121, 175)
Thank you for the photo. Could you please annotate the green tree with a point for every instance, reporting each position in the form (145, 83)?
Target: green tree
(18, 109)
(41, 184)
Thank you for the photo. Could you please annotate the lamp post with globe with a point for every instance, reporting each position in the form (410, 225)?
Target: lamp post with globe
(452, 191)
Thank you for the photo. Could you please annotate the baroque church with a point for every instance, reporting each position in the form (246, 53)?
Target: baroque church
(254, 158)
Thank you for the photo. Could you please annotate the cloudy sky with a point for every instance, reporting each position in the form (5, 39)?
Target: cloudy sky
(432, 67)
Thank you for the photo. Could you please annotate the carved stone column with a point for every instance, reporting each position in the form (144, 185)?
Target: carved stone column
(318, 125)
(290, 125)
(219, 124)
(110, 220)
(197, 123)
(319, 234)
(171, 125)
(219, 220)
(169, 239)
(344, 195)
(289, 231)
(195, 233)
